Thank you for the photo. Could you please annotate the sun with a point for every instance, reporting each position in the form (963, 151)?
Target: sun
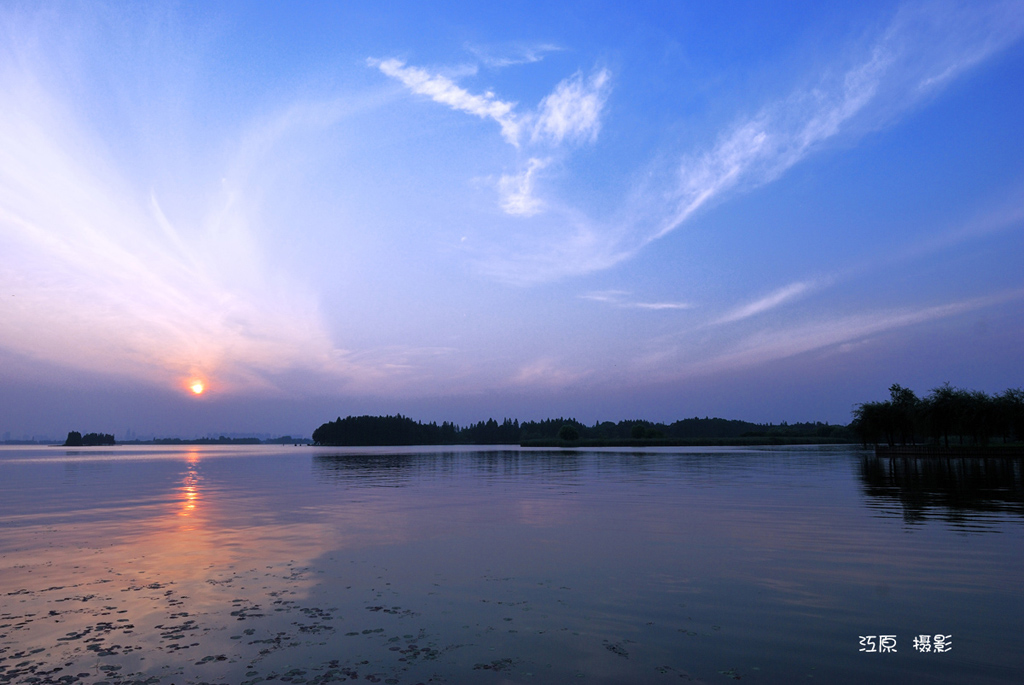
(197, 388)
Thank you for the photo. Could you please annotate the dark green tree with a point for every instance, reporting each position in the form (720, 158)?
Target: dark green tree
(96, 439)
(1010, 406)
(871, 421)
(942, 408)
(568, 432)
(905, 412)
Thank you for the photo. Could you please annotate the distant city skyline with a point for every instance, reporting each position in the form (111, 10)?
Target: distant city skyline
(248, 218)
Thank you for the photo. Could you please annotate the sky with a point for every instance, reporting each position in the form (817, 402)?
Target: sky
(453, 211)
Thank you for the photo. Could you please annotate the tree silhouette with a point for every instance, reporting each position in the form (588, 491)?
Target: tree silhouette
(568, 433)
(903, 412)
(969, 416)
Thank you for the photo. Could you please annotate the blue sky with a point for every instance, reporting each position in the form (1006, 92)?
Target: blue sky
(455, 211)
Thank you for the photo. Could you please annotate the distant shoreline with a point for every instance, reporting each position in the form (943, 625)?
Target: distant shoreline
(747, 441)
(286, 440)
(938, 451)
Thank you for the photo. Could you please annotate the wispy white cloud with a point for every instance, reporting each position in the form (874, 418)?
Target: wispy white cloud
(500, 56)
(759, 150)
(1005, 215)
(571, 113)
(703, 351)
(619, 298)
(563, 243)
(771, 343)
(573, 110)
(768, 302)
(922, 50)
(517, 190)
(660, 305)
(610, 296)
(548, 373)
(443, 90)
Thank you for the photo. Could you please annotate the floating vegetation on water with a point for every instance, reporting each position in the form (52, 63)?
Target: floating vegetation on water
(496, 665)
(616, 648)
(126, 631)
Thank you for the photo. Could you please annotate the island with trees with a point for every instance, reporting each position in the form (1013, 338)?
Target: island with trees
(568, 432)
(948, 421)
(76, 439)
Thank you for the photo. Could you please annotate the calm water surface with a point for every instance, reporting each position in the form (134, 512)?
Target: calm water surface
(304, 565)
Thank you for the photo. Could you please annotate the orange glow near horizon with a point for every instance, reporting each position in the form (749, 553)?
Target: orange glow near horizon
(197, 387)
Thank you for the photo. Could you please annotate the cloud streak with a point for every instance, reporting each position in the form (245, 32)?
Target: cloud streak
(444, 91)
(702, 351)
(571, 113)
(499, 57)
(768, 345)
(618, 298)
(573, 110)
(923, 49)
(517, 190)
(768, 302)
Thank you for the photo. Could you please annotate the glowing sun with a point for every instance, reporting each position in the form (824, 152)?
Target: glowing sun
(197, 388)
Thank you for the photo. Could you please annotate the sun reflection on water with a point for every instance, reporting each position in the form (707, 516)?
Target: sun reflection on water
(189, 495)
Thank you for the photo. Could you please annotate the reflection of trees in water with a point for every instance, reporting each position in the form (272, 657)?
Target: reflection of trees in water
(516, 463)
(958, 487)
(373, 470)
(399, 469)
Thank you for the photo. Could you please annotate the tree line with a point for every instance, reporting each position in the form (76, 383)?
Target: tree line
(402, 430)
(76, 439)
(967, 417)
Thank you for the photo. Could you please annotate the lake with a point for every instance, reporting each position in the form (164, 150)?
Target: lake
(234, 564)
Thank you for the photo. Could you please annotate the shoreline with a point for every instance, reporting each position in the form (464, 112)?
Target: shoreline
(939, 451)
(748, 441)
